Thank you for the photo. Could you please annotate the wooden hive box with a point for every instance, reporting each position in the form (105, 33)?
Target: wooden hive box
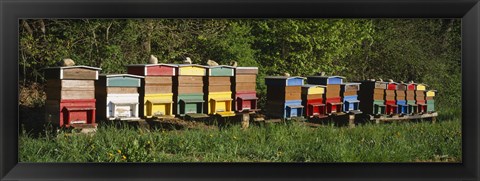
(401, 100)
(284, 96)
(372, 96)
(410, 98)
(420, 97)
(244, 89)
(71, 95)
(156, 91)
(349, 95)
(188, 91)
(429, 97)
(117, 96)
(390, 100)
(312, 100)
(218, 90)
(333, 99)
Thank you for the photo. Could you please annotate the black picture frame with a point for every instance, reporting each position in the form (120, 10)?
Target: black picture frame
(12, 11)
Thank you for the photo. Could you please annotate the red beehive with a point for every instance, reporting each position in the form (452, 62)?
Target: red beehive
(71, 95)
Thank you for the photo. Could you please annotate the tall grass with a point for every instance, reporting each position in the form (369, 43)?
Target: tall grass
(402, 142)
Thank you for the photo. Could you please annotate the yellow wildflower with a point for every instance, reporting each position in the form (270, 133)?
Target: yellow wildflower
(119, 151)
(124, 157)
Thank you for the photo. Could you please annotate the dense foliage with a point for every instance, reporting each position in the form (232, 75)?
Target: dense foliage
(424, 50)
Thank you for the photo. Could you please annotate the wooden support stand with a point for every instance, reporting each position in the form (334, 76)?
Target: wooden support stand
(379, 119)
(245, 120)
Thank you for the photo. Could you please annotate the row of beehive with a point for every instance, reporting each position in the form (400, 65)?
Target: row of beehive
(323, 95)
(149, 90)
(396, 98)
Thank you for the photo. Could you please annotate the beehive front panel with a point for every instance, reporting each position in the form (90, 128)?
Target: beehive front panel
(122, 106)
(245, 86)
(77, 111)
(160, 71)
(316, 90)
(246, 101)
(220, 71)
(70, 89)
(189, 103)
(157, 89)
(218, 80)
(167, 80)
(123, 82)
(190, 89)
(246, 78)
(219, 102)
(333, 90)
(246, 70)
(158, 105)
(293, 108)
(192, 71)
(314, 107)
(70, 94)
(79, 73)
(189, 80)
(378, 107)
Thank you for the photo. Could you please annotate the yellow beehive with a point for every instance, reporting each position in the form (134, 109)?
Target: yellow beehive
(194, 70)
(421, 87)
(158, 105)
(430, 93)
(316, 90)
(220, 103)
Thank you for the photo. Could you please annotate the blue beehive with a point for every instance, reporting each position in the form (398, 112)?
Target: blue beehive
(349, 94)
(284, 96)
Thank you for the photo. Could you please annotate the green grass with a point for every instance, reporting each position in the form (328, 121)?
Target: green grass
(397, 142)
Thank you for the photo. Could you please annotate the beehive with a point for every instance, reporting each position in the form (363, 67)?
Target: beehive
(400, 98)
(71, 95)
(410, 98)
(156, 92)
(284, 98)
(188, 90)
(430, 94)
(372, 97)
(390, 102)
(312, 100)
(218, 90)
(117, 96)
(333, 100)
(244, 89)
(420, 97)
(349, 94)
